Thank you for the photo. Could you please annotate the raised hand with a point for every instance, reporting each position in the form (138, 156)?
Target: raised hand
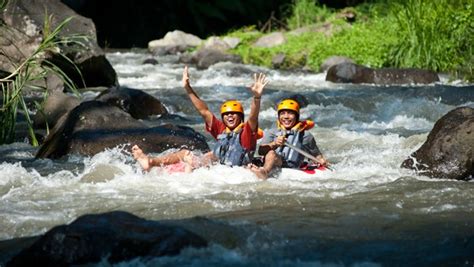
(259, 84)
(186, 83)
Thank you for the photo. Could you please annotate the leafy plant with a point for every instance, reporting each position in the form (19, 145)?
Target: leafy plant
(34, 68)
(434, 35)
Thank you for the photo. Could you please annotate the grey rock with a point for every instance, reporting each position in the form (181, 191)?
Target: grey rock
(21, 35)
(270, 40)
(138, 104)
(94, 126)
(117, 236)
(353, 73)
(334, 60)
(177, 40)
(449, 149)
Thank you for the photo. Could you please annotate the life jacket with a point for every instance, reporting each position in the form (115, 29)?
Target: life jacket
(294, 136)
(228, 149)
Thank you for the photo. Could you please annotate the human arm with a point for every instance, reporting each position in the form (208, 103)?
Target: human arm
(310, 146)
(268, 145)
(200, 105)
(257, 88)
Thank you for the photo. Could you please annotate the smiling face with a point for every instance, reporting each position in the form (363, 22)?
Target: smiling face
(232, 119)
(287, 119)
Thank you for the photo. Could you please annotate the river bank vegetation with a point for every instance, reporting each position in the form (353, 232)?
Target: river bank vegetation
(434, 35)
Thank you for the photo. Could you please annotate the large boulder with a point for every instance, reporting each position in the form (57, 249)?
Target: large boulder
(354, 73)
(21, 32)
(117, 236)
(138, 104)
(54, 107)
(94, 126)
(174, 42)
(334, 60)
(449, 149)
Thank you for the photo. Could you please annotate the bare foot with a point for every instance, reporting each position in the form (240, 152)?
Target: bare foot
(188, 161)
(143, 159)
(260, 172)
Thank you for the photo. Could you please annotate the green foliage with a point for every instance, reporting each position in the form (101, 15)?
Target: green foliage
(247, 36)
(436, 35)
(34, 68)
(366, 43)
(306, 12)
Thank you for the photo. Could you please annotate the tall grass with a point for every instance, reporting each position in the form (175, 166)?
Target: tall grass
(306, 12)
(436, 35)
(34, 68)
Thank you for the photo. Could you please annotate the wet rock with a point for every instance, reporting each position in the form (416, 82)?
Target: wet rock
(404, 76)
(22, 34)
(334, 60)
(150, 61)
(55, 106)
(349, 73)
(117, 236)
(353, 73)
(138, 104)
(205, 58)
(237, 70)
(164, 50)
(94, 126)
(448, 151)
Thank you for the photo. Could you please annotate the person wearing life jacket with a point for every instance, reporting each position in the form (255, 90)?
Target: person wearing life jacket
(236, 139)
(292, 131)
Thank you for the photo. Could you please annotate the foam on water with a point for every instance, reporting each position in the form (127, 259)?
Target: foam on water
(134, 74)
(365, 131)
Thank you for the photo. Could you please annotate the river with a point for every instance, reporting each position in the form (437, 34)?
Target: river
(367, 212)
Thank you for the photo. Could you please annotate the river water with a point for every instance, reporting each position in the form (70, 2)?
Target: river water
(368, 212)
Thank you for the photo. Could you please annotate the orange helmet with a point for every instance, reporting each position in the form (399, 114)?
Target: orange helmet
(232, 106)
(289, 104)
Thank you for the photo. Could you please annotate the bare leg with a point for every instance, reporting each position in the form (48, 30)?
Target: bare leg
(169, 159)
(272, 160)
(148, 162)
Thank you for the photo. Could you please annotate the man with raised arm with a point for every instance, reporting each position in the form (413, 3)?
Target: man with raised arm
(236, 138)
